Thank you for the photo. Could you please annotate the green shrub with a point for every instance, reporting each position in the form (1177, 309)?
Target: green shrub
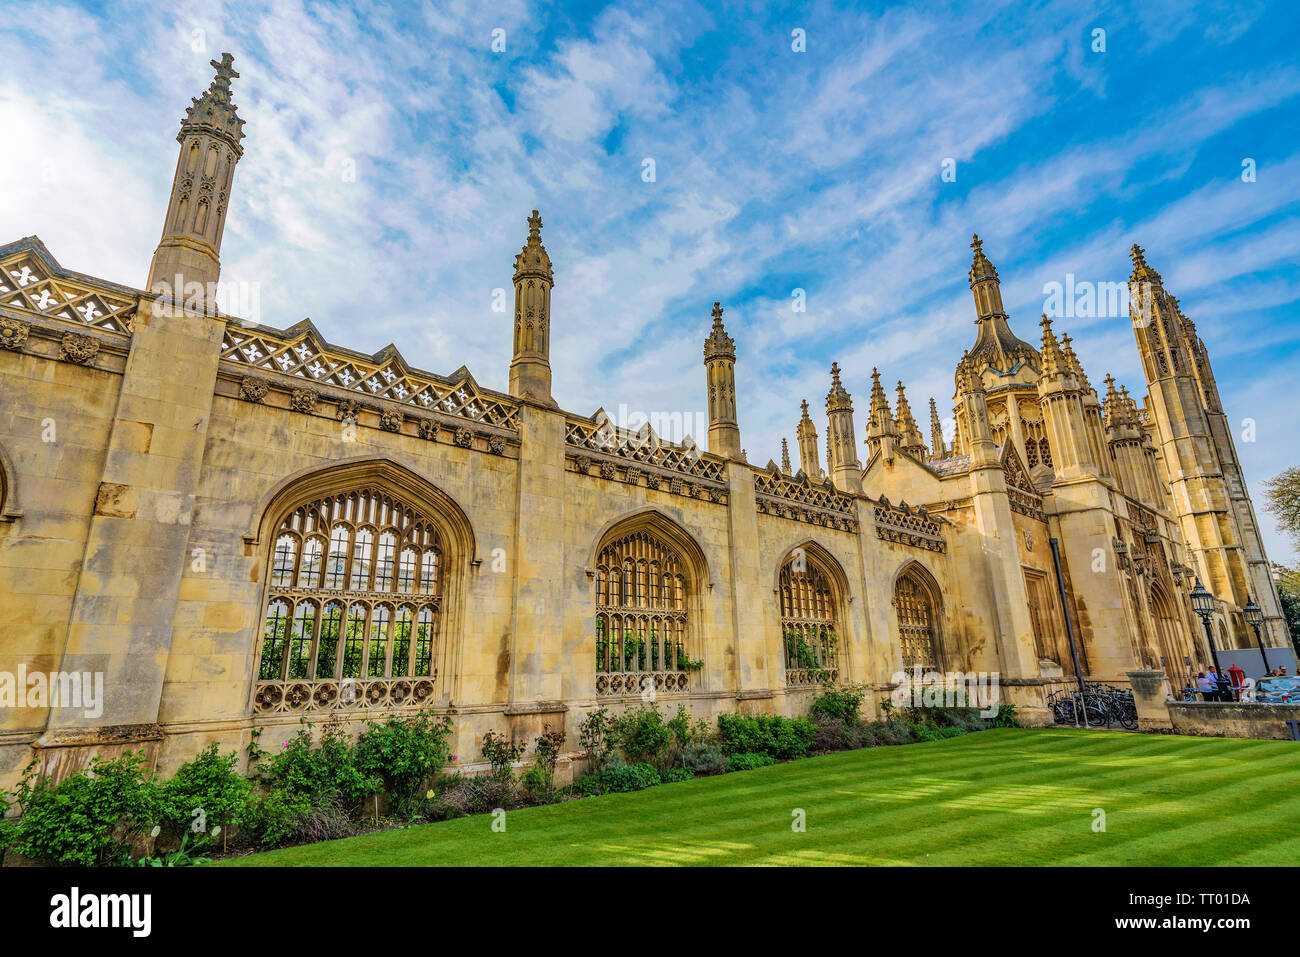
(839, 704)
(204, 795)
(834, 734)
(673, 775)
(642, 734)
(89, 819)
(595, 734)
(319, 772)
(1006, 717)
(891, 732)
(276, 816)
(621, 777)
(539, 780)
(404, 753)
(501, 754)
(749, 760)
(766, 733)
(704, 759)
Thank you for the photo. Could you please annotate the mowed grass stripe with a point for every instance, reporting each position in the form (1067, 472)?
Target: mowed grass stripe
(1014, 796)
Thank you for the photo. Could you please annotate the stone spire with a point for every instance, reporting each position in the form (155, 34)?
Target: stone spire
(841, 443)
(910, 439)
(720, 371)
(882, 430)
(937, 448)
(785, 456)
(996, 346)
(974, 410)
(530, 369)
(187, 263)
(806, 433)
(1054, 361)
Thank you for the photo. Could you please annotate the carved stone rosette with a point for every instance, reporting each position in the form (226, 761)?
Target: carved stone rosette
(303, 400)
(13, 333)
(464, 438)
(78, 348)
(252, 389)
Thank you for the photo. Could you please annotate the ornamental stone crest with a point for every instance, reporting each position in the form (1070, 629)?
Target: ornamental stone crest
(581, 463)
(78, 348)
(13, 333)
(303, 400)
(464, 437)
(427, 429)
(497, 445)
(252, 389)
(390, 420)
(652, 480)
(607, 471)
(348, 409)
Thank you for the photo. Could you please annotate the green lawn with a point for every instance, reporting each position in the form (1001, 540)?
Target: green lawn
(997, 797)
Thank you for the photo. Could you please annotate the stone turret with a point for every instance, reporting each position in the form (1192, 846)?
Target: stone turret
(187, 263)
(530, 369)
(720, 370)
(841, 442)
(806, 433)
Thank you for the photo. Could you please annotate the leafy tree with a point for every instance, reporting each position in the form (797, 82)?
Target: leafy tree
(1283, 492)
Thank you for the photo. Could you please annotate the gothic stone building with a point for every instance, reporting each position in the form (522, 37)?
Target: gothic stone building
(239, 526)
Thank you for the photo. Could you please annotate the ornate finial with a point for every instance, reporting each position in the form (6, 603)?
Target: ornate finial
(214, 112)
(225, 73)
(1141, 271)
(838, 397)
(980, 267)
(719, 344)
(803, 406)
(533, 261)
(785, 456)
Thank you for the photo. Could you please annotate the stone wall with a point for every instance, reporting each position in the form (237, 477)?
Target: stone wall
(1237, 720)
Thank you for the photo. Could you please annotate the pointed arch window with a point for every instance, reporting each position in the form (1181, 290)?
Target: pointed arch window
(917, 611)
(332, 622)
(809, 626)
(641, 617)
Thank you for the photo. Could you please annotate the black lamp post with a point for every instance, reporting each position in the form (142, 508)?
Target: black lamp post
(1255, 617)
(1203, 605)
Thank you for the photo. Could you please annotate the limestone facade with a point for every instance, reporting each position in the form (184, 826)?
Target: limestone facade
(239, 527)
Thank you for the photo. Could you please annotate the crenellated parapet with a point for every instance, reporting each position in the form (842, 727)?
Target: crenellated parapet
(801, 499)
(904, 525)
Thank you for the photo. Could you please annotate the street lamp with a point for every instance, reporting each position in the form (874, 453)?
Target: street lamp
(1255, 617)
(1203, 605)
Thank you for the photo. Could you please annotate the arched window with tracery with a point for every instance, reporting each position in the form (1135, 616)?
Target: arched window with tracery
(809, 628)
(641, 617)
(354, 605)
(917, 607)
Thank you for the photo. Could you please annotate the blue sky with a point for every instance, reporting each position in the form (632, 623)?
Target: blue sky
(775, 170)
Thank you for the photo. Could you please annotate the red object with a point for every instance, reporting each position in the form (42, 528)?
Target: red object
(1238, 676)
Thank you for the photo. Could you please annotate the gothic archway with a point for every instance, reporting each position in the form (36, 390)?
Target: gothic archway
(810, 595)
(366, 565)
(647, 573)
(918, 606)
